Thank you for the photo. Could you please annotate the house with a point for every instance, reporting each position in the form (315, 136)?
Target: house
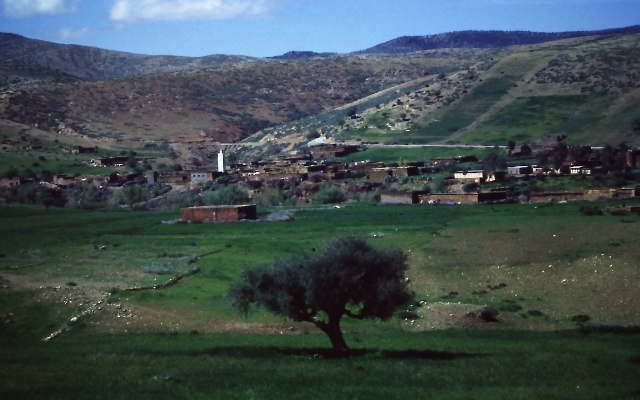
(631, 157)
(405, 171)
(520, 170)
(332, 150)
(63, 180)
(203, 176)
(152, 176)
(119, 161)
(476, 175)
(537, 169)
(599, 194)
(395, 197)
(379, 174)
(579, 170)
(219, 213)
(459, 198)
(10, 182)
(556, 197)
(80, 150)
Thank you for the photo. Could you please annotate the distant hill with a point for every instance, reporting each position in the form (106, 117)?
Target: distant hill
(585, 88)
(92, 63)
(301, 55)
(483, 40)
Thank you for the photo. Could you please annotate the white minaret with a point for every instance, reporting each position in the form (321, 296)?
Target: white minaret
(220, 161)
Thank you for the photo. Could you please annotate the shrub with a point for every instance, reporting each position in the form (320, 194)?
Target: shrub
(585, 210)
(470, 187)
(329, 195)
(580, 318)
(229, 195)
(510, 305)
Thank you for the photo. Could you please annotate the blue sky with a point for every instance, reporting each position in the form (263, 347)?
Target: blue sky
(264, 28)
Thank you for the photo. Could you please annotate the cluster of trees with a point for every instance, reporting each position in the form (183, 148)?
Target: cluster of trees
(610, 158)
(34, 194)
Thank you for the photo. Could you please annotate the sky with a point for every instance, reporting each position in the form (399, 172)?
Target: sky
(263, 28)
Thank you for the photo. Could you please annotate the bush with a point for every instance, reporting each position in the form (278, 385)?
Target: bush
(510, 305)
(580, 318)
(229, 195)
(585, 210)
(135, 194)
(329, 195)
(470, 187)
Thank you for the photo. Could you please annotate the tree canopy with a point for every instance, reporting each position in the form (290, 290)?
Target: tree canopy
(343, 276)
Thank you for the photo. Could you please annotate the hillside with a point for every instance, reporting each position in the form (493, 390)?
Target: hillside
(92, 63)
(224, 104)
(584, 88)
(484, 40)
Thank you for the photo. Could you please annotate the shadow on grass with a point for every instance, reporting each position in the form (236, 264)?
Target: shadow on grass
(323, 352)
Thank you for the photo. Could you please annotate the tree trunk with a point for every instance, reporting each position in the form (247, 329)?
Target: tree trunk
(332, 329)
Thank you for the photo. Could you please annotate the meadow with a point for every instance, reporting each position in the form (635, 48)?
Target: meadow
(540, 265)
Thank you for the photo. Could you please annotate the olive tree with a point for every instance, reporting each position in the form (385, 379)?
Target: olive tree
(344, 276)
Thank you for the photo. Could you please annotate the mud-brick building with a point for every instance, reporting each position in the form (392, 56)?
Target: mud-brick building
(395, 197)
(556, 197)
(219, 213)
(462, 198)
(332, 150)
(379, 174)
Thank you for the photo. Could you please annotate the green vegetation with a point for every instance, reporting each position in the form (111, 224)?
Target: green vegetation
(546, 258)
(232, 194)
(456, 364)
(393, 154)
(329, 195)
(529, 118)
(467, 110)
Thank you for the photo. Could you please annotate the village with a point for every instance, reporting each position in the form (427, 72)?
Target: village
(305, 172)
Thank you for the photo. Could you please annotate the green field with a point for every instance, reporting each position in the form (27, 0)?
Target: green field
(528, 118)
(394, 154)
(185, 341)
(50, 154)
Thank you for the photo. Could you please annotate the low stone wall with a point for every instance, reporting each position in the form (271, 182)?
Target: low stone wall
(461, 198)
(596, 194)
(556, 197)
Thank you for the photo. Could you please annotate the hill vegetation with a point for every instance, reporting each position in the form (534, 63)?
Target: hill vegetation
(92, 63)
(583, 88)
(484, 39)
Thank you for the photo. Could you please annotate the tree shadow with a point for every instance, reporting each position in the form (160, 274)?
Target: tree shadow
(263, 352)
(375, 353)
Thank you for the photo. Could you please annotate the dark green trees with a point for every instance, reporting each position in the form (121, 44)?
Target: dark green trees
(344, 276)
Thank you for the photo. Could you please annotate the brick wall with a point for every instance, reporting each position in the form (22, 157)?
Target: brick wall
(218, 213)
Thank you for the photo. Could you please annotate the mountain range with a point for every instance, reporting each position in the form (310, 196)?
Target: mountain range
(467, 87)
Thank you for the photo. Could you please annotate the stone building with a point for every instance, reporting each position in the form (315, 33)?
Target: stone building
(219, 213)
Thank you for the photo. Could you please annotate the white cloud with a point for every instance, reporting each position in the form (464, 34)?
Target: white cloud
(31, 8)
(174, 10)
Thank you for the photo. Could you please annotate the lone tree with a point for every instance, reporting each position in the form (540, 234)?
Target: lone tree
(343, 276)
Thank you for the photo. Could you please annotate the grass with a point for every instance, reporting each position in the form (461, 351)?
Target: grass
(549, 257)
(528, 118)
(392, 364)
(16, 153)
(393, 154)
